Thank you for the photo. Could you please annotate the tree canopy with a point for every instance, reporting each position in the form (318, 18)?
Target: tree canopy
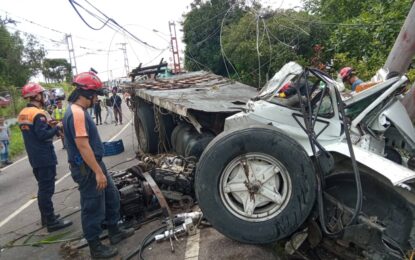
(201, 29)
(56, 70)
(255, 41)
(19, 60)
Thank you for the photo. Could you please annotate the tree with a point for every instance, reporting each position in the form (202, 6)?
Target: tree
(201, 31)
(56, 70)
(261, 42)
(19, 61)
(361, 32)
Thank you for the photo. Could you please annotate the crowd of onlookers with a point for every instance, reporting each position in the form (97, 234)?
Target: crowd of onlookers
(56, 109)
(112, 105)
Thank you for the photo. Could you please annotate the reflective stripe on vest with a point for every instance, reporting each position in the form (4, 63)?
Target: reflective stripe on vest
(59, 115)
(28, 114)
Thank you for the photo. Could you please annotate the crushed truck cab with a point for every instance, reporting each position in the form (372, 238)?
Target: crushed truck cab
(313, 162)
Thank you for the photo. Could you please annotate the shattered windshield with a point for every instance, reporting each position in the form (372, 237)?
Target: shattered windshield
(281, 78)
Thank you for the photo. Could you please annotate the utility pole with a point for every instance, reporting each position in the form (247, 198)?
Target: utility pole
(71, 51)
(174, 48)
(124, 50)
(400, 57)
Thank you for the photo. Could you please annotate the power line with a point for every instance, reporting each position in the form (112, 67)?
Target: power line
(342, 24)
(46, 27)
(107, 22)
(35, 23)
(37, 35)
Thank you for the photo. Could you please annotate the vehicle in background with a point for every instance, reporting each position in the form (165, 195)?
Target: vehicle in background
(5, 101)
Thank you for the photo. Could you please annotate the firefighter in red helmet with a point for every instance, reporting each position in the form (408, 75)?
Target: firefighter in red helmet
(348, 75)
(38, 133)
(100, 200)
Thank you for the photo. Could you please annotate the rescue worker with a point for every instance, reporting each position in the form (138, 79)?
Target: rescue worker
(38, 136)
(57, 115)
(99, 197)
(348, 75)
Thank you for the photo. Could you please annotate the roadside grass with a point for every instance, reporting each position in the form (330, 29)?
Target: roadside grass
(16, 142)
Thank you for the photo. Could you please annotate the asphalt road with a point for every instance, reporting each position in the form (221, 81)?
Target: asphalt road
(19, 215)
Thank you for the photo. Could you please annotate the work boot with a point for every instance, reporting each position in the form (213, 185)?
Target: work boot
(99, 250)
(43, 219)
(8, 162)
(117, 234)
(56, 224)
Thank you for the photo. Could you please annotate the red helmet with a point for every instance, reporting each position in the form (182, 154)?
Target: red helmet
(345, 73)
(31, 90)
(88, 81)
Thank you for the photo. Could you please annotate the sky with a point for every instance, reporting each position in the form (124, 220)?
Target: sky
(50, 20)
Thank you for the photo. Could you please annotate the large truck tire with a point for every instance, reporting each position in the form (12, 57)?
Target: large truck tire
(144, 122)
(167, 125)
(255, 185)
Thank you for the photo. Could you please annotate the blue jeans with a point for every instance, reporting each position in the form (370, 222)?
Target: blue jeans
(45, 177)
(4, 155)
(96, 206)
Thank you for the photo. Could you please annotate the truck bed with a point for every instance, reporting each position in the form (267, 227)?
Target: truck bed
(200, 91)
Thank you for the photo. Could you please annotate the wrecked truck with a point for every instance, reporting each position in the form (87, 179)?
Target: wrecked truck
(318, 168)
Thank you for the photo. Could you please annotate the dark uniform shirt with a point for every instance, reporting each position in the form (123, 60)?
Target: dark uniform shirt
(38, 136)
(116, 101)
(78, 123)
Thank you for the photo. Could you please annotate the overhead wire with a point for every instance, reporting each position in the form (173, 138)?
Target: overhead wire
(258, 53)
(73, 3)
(46, 27)
(34, 34)
(346, 24)
(35, 23)
(224, 57)
(162, 51)
(132, 49)
(109, 21)
(269, 45)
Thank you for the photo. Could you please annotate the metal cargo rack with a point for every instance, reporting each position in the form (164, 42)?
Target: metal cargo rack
(198, 91)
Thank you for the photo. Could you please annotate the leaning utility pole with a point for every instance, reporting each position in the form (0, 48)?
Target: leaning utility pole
(124, 50)
(71, 51)
(401, 56)
(174, 48)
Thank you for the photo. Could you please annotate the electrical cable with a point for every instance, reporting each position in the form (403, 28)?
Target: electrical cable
(189, 56)
(309, 121)
(35, 23)
(224, 57)
(72, 2)
(125, 161)
(150, 238)
(107, 22)
(258, 53)
(270, 47)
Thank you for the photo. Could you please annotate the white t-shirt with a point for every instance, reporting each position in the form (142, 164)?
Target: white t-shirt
(4, 133)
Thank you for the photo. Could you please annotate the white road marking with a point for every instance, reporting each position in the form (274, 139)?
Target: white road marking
(192, 247)
(27, 204)
(15, 213)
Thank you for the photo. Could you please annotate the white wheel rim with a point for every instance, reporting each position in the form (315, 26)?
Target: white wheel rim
(255, 187)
